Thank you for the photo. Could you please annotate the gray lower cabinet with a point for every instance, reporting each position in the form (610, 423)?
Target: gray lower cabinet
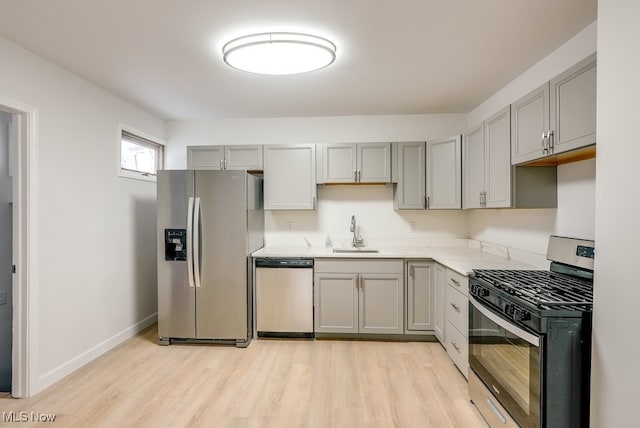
(420, 296)
(439, 286)
(241, 157)
(358, 296)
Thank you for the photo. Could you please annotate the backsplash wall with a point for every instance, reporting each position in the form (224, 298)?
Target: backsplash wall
(375, 216)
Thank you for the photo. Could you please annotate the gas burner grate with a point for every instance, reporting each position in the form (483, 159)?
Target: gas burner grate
(544, 289)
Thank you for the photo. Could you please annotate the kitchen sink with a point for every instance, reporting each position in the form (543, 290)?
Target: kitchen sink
(354, 250)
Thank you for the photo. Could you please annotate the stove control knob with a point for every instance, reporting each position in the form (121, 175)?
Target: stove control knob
(508, 309)
(520, 314)
(478, 290)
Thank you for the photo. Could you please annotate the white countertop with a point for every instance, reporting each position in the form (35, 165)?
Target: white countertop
(460, 259)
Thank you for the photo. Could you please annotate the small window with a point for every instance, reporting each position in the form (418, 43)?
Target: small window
(140, 157)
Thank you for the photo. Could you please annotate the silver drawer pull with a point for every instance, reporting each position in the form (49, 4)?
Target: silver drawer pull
(455, 281)
(456, 307)
(455, 345)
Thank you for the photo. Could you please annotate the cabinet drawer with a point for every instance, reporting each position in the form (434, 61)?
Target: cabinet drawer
(457, 309)
(458, 348)
(457, 281)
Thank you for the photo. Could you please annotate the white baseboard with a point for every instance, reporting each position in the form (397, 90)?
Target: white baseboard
(91, 354)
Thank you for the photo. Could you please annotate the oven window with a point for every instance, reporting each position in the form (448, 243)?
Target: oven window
(508, 365)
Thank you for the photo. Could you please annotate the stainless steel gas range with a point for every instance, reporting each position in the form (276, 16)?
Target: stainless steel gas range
(530, 340)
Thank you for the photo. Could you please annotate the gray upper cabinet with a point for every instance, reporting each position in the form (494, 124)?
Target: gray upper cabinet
(497, 174)
(428, 175)
(474, 164)
(487, 165)
(574, 109)
(444, 173)
(490, 181)
(241, 157)
(356, 163)
(557, 117)
(290, 177)
(410, 165)
(529, 121)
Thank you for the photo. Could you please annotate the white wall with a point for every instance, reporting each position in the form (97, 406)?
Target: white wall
(94, 283)
(530, 229)
(373, 206)
(377, 221)
(616, 351)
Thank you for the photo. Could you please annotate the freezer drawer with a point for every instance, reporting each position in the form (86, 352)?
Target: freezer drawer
(284, 299)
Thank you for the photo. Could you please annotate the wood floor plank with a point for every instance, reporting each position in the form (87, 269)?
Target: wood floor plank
(272, 383)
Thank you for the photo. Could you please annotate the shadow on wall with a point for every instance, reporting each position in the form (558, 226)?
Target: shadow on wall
(145, 254)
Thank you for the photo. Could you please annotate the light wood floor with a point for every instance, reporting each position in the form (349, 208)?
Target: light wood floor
(272, 383)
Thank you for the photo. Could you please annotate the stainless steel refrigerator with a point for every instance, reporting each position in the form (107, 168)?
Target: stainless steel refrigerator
(209, 222)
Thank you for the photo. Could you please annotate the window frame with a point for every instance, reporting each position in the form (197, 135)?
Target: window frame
(145, 140)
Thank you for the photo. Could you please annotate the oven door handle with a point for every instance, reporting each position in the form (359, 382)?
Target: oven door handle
(525, 335)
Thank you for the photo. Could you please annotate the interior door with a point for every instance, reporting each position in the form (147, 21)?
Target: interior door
(6, 257)
(176, 293)
(222, 295)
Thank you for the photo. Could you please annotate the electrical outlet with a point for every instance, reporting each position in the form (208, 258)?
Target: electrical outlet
(412, 227)
(3, 298)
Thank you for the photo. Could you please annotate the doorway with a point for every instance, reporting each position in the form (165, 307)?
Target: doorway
(6, 255)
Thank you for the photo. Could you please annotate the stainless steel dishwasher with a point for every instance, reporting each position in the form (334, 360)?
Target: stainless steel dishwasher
(284, 297)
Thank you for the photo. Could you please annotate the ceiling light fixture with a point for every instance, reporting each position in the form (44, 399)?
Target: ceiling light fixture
(279, 53)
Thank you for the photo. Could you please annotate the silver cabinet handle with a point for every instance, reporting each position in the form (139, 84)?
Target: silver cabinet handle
(313, 202)
(359, 176)
(455, 281)
(221, 163)
(412, 272)
(428, 201)
(425, 203)
(550, 141)
(355, 175)
(455, 345)
(456, 307)
(225, 163)
(543, 141)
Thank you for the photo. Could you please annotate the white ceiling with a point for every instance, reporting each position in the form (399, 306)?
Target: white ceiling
(394, 57)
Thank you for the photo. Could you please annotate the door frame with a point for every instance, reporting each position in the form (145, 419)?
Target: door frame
(23, 137)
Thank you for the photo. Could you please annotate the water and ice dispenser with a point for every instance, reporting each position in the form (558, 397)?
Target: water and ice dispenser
(175, 244)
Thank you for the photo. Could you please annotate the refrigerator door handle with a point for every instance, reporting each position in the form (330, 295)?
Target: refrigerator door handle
(190, 242)
(196, 244)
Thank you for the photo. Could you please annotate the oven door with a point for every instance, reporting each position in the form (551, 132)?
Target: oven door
(507, 360)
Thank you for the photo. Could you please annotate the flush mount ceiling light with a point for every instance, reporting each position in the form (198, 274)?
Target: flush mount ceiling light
(279, 53)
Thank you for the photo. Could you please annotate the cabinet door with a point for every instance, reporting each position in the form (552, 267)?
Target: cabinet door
(336, 303)
(381, 303)
(410, 192)
(440, 300)
(473, 158)
(573, 111)
(339, 163)
(497, 172)
(420, 298)
(374, 163)
(289, 177)
(529, 120)
(205, 157)
(247, 158)
(444, 173)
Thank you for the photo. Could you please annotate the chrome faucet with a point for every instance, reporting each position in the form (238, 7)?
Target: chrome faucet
(356, 241)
